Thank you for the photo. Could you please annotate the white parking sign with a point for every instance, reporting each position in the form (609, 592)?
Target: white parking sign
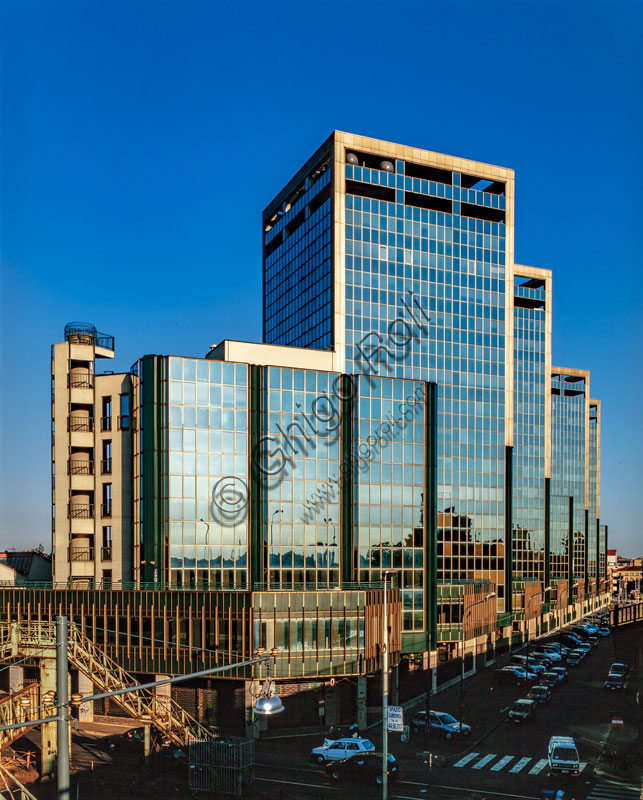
(395, 719)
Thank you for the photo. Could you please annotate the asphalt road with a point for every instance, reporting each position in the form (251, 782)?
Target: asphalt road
(500, 759)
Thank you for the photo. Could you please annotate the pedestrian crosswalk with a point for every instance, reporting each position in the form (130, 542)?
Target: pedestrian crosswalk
(615, 791)
(513, 764)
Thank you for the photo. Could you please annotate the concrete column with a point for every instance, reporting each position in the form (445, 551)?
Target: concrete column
(85, 687)
(362, 716)
(163, 694)
(48, 731)
(16, 678)
(332, 711)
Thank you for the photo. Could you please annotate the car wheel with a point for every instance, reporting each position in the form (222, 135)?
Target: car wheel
(518, 683)
(320, 759)
(379, 779)
(448, 736)
(334, 775)
(415, 730)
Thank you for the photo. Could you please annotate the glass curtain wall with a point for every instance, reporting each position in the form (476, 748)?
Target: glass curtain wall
(206, 472)
(390, 477)
(528, 506)
(425, 299)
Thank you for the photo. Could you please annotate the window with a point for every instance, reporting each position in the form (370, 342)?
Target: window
(106, 417)
(123, 417)
(106, 462)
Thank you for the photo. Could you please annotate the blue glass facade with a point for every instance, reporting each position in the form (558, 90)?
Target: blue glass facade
(568, 458)
(530, 394)
(592, 493)
(298, 268)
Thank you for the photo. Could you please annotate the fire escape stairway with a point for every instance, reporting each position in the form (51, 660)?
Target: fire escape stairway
(107, 675)
(12, 711)
(13, 788)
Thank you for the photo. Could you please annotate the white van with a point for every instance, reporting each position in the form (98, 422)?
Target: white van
(562, 755)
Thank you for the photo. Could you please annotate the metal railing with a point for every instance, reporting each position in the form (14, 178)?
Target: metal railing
(105, 423)
(81, 380)
(81, 511)
(79, 423)
(81, 553)
(106, 466)
(106, 509)
(106, 553)
(80, 467)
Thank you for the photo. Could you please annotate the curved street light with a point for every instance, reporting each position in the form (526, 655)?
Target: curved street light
(465, 614)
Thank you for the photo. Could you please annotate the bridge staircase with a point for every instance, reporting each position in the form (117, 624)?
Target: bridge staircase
(18, 707)
(107, 676)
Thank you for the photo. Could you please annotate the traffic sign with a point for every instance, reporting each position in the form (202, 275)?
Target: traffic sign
(617, 720)
(395, 719)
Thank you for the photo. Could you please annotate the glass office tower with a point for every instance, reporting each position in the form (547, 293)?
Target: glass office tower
(422, 248)
(532, 366)
(569, 460)
(593, 490)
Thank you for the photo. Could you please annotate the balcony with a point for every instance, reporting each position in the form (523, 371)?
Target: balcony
(81, 511)
(86, 333)
(105, 423)
(123, 422)
(106, 509)
(106, 553)
(106, 466)
(78, 467)
(80, 424)
(81, 554)
(81, 380)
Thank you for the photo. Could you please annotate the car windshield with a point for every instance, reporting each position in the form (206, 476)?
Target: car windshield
(368, 745)
(565, 753)
(521, 705)
(446, 719)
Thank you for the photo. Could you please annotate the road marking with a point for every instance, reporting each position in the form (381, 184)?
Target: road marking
(520, 765)
(484, 761)
(501, 764)
(538, 767)
(464, 761)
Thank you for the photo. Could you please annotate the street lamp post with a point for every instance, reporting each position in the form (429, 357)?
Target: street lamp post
(566, 589)
(388, 573)
(529, 602)
(465, 614)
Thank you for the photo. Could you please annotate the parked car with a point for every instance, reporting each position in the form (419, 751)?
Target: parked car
(532, 664)
(614, 682)
(540, 693)
(513, 674)
(551, 679)
(550, 655)
(593, 640)
(440, 723)
(540, 658)
(364, 767)
(347, 731)
(134, 739)
(342, 748)
(619, 668)
(522, 711)
(586, 647)
(562, 672)
(575, 657)
(604, 631)
(557, 647)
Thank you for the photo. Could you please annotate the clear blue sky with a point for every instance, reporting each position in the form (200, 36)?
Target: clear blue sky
(141, 141)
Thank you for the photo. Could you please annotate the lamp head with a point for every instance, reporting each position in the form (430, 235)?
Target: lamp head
(269, 706)
(490, 595)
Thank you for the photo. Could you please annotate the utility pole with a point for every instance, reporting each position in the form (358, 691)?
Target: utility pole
(62, 700)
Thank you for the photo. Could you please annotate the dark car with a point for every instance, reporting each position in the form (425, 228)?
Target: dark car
(618, 668)
(364, 767)
(522, 711)
(551, 679)
(575, 657)
(614, 682)
(516, 675)
(540, 693)
(346, 731)
(561, 672)
(134, 739)
(440, 723)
